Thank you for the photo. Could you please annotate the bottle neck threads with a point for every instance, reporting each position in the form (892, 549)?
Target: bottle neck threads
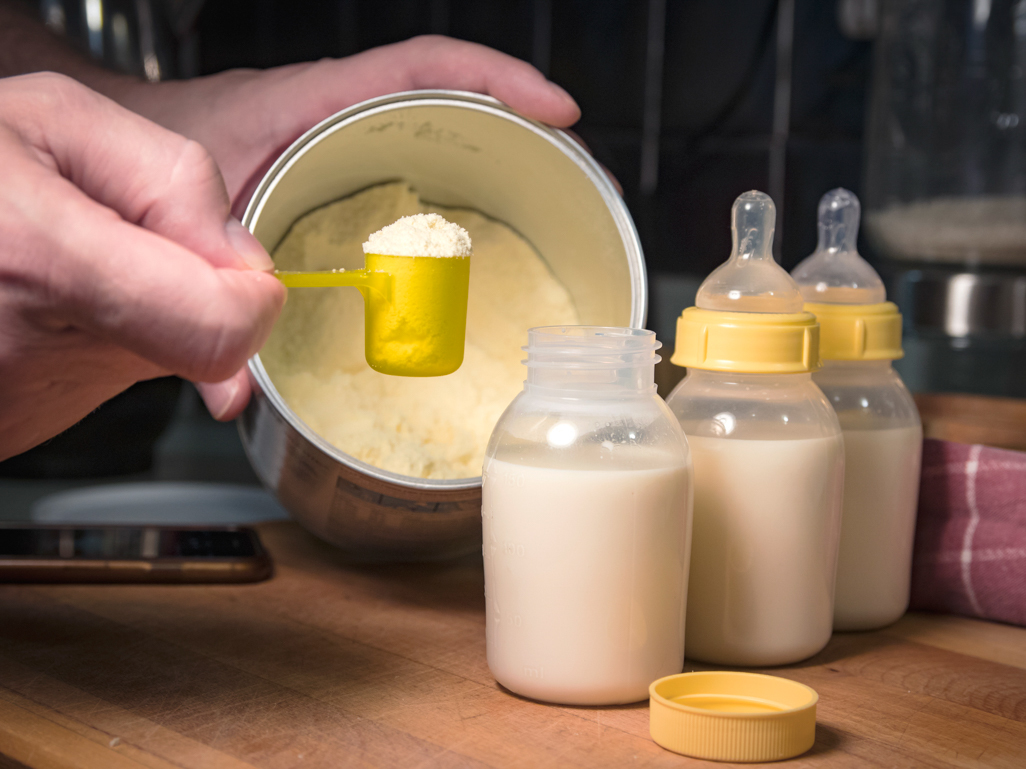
(591, 360)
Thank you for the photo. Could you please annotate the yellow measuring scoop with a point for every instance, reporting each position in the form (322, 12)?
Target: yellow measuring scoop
(415, 309)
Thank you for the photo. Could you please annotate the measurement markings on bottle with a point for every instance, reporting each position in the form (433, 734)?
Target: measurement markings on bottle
(512, 548)
(514, 479)
(534, 672)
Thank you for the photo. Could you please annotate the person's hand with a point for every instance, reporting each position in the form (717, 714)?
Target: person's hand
(246, 118)
(118, 262)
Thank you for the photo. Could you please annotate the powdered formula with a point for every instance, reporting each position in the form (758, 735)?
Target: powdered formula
(424, 427)
(420, 235)
(881, 484)
(585, 578)
(762, 581)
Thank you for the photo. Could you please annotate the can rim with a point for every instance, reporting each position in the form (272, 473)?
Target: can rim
(563, 141)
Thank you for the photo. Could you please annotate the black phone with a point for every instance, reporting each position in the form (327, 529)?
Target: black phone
(82, 553)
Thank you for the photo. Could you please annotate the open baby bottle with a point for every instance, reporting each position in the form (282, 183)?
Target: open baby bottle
(860, 334)
(768, 459)
(586, 515)
(415, 287)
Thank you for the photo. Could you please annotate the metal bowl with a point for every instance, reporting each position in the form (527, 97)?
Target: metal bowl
(455, 149)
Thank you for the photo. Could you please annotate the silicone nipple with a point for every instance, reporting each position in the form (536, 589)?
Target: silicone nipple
(835, 273)
(750, 281)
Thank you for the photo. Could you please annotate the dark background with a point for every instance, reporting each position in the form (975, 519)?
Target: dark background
(717, 93)
(715, 103)
(713, 107)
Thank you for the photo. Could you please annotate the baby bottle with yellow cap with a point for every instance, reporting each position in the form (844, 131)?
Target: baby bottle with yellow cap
(860, 334)
(768, 459)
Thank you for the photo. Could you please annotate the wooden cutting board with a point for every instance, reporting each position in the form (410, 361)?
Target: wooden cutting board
(334, 664)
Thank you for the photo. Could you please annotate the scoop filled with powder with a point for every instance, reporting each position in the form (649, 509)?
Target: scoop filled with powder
(414, 286)
(420, 235)
(437, 427)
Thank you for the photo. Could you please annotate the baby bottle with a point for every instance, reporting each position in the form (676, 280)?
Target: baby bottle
(768, 457)
(860, 334)
(587, 523)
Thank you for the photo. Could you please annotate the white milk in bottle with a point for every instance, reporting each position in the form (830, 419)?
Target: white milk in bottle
(586, 506)
(768, 459)
(860, 336)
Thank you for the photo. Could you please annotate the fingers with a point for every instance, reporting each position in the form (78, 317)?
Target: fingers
(439, 62)
(218, 110)
(150, 176)
(131, 287)
(119, 262)
(170, 307)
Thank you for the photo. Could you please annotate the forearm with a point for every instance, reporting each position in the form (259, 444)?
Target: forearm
(26, 45)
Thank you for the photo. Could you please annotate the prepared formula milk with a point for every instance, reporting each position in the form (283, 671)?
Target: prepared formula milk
(878, 525)
(768, 458)
(762, 577)
(435, 427)
(555, 620)
(586, 506)
(861, 335)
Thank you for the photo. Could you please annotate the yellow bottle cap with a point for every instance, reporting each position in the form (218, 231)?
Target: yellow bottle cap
(747, 342)
(748, 314)
(730, 716)
(858, 331)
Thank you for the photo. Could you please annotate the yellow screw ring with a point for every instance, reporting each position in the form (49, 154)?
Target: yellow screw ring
(858, 331)
(747, 342)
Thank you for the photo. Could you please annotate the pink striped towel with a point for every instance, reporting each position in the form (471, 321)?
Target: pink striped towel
(970, 551)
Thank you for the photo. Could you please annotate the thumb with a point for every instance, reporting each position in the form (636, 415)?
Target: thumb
(185, 306)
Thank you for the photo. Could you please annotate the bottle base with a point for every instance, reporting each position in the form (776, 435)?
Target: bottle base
(855, 623)
(753, 659)
(564, 695)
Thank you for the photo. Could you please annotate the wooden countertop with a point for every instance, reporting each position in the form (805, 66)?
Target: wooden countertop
(333, 664)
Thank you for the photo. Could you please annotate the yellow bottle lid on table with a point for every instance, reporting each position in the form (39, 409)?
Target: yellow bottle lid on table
(749, 315)
(732, 716)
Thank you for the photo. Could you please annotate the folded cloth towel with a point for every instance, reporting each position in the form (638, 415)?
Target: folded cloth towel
(970, 551)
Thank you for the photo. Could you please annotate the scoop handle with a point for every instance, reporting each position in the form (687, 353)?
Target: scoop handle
(362, 279)
(415, 310)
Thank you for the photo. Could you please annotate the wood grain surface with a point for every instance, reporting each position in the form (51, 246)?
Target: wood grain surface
(335, 664)
(998, 422)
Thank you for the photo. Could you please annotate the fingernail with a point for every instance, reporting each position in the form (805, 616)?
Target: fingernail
(218, 396)
(562, 92)
(247, 246)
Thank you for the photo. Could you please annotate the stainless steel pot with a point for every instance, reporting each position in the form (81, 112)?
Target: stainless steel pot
(455, 149)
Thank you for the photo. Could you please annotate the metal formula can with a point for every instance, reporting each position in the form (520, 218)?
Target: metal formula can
(456, 149)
